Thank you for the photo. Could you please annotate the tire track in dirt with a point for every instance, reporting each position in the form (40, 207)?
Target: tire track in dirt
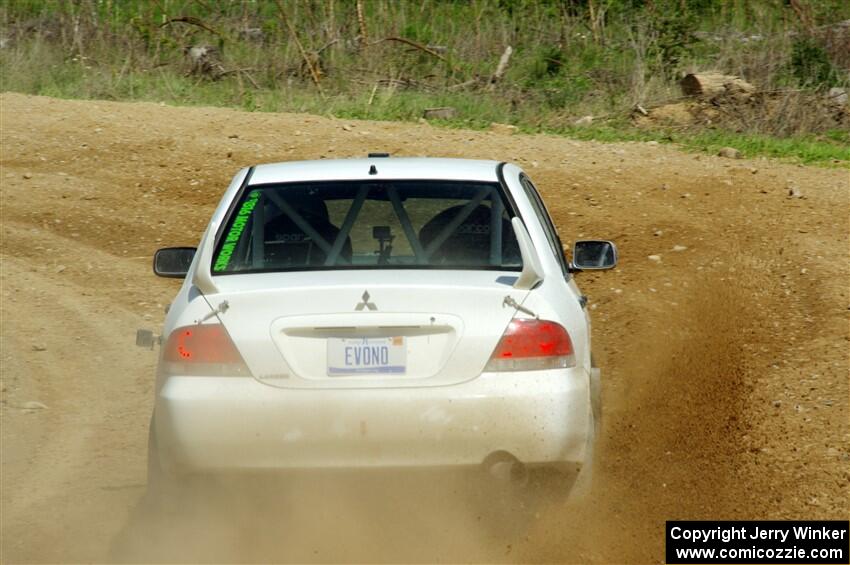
(71, 351)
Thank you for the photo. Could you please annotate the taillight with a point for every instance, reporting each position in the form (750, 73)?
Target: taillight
(532, 345)
(202, 350)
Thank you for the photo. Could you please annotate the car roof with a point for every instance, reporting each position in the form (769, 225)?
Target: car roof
(386, 168)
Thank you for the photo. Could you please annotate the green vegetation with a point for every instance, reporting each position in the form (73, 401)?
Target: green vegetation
(390, 59)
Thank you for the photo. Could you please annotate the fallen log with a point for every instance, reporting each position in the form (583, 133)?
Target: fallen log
(711, 85)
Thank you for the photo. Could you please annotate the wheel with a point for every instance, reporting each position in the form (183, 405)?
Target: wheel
(508, 508)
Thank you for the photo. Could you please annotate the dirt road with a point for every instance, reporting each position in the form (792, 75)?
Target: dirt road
(725, 356)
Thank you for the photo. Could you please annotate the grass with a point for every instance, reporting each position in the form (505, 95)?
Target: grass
(72, 80)
(561, 70)
(806, 149)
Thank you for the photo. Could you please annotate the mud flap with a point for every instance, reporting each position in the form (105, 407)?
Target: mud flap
(584, 482)
(596, 396)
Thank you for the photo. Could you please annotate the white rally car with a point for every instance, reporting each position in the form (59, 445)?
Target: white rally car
(377, 313)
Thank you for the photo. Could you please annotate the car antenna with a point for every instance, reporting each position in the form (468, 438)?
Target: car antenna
(373, 170)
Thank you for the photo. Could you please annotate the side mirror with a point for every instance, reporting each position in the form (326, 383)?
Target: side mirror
(173, 262)
(594, 254)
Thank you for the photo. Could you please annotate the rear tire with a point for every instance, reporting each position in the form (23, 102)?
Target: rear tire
(510, 509)
(513, 508)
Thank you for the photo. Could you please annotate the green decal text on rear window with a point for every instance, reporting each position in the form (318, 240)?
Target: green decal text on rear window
(236, 230)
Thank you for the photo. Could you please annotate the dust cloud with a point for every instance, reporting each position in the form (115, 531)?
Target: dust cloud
(671, 434)
(674, 429)
(383, 516)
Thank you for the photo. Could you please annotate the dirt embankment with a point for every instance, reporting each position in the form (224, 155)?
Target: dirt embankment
(723, 334)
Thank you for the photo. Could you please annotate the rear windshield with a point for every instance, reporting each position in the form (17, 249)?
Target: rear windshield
(368, 225)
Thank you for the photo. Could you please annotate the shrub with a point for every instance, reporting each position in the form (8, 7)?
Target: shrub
(810, 64)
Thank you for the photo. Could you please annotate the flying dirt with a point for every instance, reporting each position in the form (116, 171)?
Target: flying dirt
(723, 336)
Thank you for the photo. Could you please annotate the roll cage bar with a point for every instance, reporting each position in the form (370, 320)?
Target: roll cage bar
(334, 248)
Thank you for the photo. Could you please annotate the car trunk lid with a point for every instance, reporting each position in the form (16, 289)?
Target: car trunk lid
(356, 329)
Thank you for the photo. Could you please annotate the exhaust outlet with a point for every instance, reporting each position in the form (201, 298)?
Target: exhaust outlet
(506, 468)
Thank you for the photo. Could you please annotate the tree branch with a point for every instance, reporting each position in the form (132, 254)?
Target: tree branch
(417, 46)
(191, 20)
(313, 72)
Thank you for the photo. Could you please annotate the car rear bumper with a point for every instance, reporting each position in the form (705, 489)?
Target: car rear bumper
(239, 424)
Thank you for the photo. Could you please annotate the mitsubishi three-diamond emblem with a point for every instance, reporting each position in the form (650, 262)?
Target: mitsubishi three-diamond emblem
(365, 303)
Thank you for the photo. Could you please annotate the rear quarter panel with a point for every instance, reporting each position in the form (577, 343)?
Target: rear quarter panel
(557, 298)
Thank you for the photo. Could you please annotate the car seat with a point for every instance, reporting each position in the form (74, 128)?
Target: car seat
(469, 244)
(287, 245)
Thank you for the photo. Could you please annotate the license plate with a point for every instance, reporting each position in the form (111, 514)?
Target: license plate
(359, 356)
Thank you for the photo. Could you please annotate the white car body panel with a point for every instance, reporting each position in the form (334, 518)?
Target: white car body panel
(430, 322)
(386, 168)
(232, 424)
(447, 412)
